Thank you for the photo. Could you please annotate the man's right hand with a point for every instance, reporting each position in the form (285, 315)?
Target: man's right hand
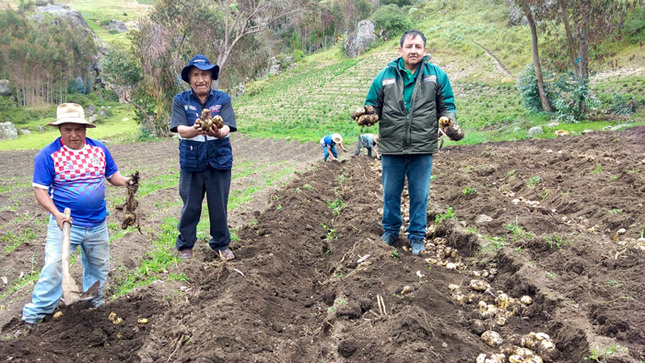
(61, 218)
(365, 116)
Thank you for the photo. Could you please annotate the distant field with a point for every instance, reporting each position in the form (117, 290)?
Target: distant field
(103, 10)
(118, 127)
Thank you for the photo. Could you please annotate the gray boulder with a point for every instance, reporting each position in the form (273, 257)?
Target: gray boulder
(117, 26)
(5, 90)
(275, 68)
(360, 39)
(534, 131)
(90, 110)
(8, 131)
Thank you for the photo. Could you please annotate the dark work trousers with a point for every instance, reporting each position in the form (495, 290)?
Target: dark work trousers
(192, 186)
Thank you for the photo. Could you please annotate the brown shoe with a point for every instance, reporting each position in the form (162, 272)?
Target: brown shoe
(186, 254)
(226, 254)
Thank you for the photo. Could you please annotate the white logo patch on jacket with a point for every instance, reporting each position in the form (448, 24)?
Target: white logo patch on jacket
(432, 79)
(387, 81)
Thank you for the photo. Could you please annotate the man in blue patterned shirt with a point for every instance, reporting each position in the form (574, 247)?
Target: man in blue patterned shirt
(70, 173)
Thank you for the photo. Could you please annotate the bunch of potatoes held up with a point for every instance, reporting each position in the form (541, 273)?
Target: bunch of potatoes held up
(366, 116)
(207, 122)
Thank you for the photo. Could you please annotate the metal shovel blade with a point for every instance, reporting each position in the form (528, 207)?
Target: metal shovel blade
(71, 292)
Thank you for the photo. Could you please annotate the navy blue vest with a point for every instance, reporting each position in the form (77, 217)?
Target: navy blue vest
(196, 154)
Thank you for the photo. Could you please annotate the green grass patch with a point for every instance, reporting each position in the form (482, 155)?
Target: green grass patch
(27, 279)
(11, 241)
(120, 125)
(154, 265)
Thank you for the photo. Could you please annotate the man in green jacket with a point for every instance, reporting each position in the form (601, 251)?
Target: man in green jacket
(409, 96)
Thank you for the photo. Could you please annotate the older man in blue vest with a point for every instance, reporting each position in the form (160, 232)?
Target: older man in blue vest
(205, 157)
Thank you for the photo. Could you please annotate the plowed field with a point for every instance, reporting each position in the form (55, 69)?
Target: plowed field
(558, 220)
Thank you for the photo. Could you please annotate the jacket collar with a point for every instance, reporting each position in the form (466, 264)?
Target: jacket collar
(399, 66)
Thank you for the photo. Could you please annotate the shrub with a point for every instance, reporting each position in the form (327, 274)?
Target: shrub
(392, 19)
(621, 105)
(298, 54)
(564, 92)
(527, 85)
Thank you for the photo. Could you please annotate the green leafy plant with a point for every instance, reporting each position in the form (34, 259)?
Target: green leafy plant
(331, 232)
(394, 254)
(534, 181)
(448, 214)
(616, 211)
(598, 169)
(469, 191)
(496, 242)
(336, 206)
(466, 169)
(517, 231)
(555, 241)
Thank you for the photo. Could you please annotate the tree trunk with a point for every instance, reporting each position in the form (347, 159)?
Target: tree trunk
(546, 105)
(570, 39)
(579, 48)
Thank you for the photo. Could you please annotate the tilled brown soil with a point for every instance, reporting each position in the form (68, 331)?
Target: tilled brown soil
(558, 220)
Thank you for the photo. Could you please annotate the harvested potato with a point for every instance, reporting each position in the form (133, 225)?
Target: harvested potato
(479, 285)
(451, 129)
(492, 338)
(365, 116)
(406, 290)
(207, 122)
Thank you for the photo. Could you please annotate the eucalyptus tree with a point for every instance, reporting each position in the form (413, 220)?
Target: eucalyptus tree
(578, 27)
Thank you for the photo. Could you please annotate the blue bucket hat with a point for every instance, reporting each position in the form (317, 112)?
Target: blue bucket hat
(201, 62)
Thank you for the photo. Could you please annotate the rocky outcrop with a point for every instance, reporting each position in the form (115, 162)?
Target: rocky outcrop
(5, 90)
(360, 39)
(280, 63)
(117, 26)
(58, 14)
(8, 131)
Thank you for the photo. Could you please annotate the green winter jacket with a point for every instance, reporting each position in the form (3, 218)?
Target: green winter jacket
(409, 106)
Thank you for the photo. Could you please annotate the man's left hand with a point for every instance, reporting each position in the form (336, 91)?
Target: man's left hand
(450, 129)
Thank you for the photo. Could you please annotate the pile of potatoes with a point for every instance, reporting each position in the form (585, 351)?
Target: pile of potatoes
(528, 348)
(493, 310)
(439, 253)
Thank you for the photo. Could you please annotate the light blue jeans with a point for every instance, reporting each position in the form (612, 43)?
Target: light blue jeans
(95, 257)
(326, 152)
(418, 169)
